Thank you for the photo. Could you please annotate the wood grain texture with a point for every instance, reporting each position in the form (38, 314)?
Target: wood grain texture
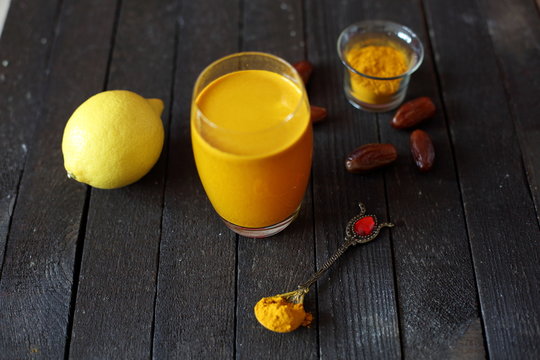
(37, 276)
(280, 263)
(515, 33)
(115, 299)
(24, 54)
(195, 305)
(436, 286)
(161, 277)
(470, 345)
(357, 306)
(497, 202)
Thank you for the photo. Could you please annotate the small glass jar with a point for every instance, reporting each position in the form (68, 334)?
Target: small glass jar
(372, 93)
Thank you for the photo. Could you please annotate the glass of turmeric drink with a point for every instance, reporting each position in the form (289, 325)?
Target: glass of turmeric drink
(252, 141)
(379, 58)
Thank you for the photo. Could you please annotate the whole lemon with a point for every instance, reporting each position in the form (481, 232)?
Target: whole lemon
(113, 139)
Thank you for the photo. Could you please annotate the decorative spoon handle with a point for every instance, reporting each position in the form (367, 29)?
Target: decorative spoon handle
(360, 230)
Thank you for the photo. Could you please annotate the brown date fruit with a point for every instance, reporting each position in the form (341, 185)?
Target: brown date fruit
(369, 157)
(304, 68)
(318, 114)
(422, 150)
(413, 113)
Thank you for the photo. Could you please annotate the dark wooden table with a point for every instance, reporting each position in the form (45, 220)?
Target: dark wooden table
(148, 271)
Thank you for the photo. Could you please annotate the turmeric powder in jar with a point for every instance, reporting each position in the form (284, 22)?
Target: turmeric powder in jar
(379, 57)
(377, 61)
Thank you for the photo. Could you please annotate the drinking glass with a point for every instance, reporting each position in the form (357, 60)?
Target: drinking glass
(252, 141)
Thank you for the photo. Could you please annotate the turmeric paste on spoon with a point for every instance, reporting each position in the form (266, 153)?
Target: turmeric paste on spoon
(279, 314)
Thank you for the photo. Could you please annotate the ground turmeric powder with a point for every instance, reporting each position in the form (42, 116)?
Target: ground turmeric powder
(379, 61)
(277, 314)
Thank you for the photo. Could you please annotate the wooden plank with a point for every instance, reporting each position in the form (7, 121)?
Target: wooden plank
(356, 299)
(280, 263)
(515, 33)
(497, 202)
(195, 305)
(24, 49)
(37, 277)
(115, 296)
(431, 250)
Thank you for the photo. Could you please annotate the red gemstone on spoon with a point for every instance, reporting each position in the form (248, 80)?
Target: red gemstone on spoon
(364, 226)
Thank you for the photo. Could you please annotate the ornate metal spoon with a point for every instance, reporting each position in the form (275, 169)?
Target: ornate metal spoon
(360, 229)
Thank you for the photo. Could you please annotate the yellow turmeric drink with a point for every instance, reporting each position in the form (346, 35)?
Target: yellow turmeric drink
(252, 142)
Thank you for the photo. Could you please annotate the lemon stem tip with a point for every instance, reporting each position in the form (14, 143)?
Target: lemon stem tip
(157, 105)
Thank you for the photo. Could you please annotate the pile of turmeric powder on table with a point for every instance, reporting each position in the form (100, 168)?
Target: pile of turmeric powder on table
(379, 61)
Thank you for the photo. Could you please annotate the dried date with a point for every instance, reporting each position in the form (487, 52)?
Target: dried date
(318, 114)
(370, 157)
(304, 68)
(413, 113)
(422, 150)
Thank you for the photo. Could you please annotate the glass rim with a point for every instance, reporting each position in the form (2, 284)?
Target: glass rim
(369, 23)
(296, 80)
